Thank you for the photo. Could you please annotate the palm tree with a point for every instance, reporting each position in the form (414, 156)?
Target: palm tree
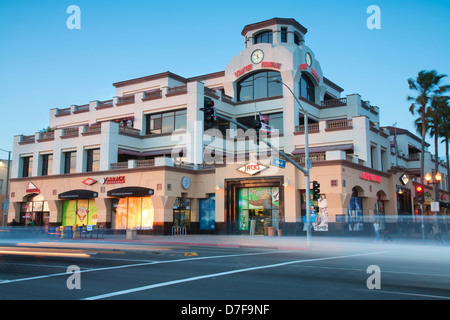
(444, 133)
(426, 86)
(436, 124)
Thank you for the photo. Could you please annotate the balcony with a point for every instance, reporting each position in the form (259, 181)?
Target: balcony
(344, 124)
(152, 95)
(92, 129)
(69, 132)
(176, 90)
(333, 103)
(124, 100)
(312, 128)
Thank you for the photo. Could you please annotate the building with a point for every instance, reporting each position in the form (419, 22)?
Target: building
(3, 187)
(147, 160)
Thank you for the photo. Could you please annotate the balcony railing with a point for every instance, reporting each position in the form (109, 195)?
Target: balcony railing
(339, 124)
(152, 94)
(334, 102)
(129, 131)
(312, 128)
(126, 100)
(70, 132)
(105, 104)
(177, 90)
(63, 112)
(93, 129)
(314, 157)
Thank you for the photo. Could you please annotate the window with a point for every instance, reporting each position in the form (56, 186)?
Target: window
(259, 85)
(275, 121)
(1, 186)
(47, 163)
(27, 166)
(296, 39)
(70, 161)
(307, 89)
(283, 34)
(263, 37)
(166, 122)
(208, 213)
(93, 160)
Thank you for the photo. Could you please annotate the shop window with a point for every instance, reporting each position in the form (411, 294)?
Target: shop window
(355, 212)
(263, 37)
(133, 213)
(307, 89)
(79, 212)
(35, 213)
(93, 160)
(208, 213)
(258, 209)
(258, 86)
(166, 122)
(182, 213)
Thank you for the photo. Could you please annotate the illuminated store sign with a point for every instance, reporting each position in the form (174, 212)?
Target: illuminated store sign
(113, 180)
(252, 168)
(370, 177)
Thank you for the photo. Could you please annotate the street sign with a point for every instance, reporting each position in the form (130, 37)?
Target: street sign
(278, 162)
(6, 205)
(434, 206)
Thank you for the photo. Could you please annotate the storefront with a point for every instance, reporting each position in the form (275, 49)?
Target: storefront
(34, 211)
(132, 208)
(79, 207)
(254, 205)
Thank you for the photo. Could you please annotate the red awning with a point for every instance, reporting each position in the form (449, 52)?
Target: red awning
(342, 147)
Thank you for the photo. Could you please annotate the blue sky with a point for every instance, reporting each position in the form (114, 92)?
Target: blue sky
(44, 65)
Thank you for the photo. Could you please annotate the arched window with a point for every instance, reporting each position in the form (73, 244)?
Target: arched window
(259, 85)
(263, 37)
(307, 89)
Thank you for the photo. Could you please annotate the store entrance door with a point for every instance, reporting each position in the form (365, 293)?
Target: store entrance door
(260, 219)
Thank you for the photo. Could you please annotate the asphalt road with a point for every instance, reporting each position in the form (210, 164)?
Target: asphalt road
(194, 274)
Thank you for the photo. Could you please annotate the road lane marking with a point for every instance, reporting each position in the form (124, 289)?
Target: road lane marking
(219, 274)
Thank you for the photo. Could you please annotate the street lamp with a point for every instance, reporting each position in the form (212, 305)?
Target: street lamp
(6, 201)
(307, 166)
(429, 178)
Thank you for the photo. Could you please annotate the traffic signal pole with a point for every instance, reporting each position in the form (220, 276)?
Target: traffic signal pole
(295, 164)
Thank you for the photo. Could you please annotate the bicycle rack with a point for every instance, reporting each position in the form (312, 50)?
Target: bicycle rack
(179, 231)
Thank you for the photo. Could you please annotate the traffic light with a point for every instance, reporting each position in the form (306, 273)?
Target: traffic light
(209, 111)
(257, 125)
(420, 194)
(316, 190)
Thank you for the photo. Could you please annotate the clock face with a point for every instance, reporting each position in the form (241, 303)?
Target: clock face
(257, 56)
(308, 60)
(185, 182)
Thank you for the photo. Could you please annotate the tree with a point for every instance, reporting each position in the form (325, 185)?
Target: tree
(426, 86)
(436, 124)
(444, 133)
